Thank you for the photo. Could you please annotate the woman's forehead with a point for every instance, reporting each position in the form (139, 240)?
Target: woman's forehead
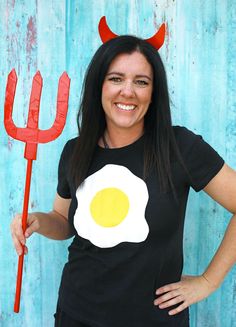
(130, 62)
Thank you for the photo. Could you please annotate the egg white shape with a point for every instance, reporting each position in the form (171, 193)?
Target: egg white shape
(131, 225)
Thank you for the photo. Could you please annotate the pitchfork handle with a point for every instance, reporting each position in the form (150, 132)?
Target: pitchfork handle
(24, 226)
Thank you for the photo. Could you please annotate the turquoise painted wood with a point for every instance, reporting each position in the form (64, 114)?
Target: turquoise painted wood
(57, 35)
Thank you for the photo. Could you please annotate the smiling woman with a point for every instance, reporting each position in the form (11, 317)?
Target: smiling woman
(123, 186)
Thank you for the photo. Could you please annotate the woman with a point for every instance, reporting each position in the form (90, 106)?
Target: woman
(122, 191)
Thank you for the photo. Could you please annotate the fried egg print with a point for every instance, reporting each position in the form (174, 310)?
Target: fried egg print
(111, 207)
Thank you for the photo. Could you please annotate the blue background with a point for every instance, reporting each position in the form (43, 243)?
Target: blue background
(56, 35)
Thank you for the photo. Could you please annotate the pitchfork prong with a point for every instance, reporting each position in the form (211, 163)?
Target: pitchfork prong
(9, 100)
(34, 104)
(52, 133)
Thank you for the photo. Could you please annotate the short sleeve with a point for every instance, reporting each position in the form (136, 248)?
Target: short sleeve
(201, 160)
(63, 187)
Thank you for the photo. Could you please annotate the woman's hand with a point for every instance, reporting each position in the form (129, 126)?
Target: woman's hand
(189, 290)
(18, 237)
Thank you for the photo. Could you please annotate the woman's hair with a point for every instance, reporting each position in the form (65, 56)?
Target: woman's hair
(159, 135)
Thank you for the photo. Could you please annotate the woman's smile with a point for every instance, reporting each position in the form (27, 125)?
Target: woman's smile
(126, 107)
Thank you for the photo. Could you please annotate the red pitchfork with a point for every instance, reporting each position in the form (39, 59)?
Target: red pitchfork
(32, 135)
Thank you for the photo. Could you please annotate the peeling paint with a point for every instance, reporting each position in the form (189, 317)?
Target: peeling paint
(31, 38)
(9, 143)
(31, 42)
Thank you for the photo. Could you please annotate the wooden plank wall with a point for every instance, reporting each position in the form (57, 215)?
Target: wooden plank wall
(57, 35)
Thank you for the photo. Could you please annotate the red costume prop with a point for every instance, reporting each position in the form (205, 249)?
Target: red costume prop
(32, 135)
(106, 34)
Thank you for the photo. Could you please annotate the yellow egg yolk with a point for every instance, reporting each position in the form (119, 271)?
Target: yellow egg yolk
(109, 207)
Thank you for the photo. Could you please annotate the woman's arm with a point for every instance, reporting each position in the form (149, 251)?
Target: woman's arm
(53, 224)
(223, 190)
(191, 289)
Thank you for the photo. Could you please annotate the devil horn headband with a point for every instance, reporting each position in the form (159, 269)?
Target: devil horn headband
(106, 34)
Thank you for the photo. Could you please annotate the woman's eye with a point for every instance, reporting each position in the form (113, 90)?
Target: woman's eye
(115, 79)
(141, 82)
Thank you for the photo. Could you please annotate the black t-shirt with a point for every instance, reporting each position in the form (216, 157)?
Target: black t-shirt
(128, 235)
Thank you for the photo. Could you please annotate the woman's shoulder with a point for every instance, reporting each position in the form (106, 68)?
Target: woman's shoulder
(185, 136)
(186, 139)
(182, 131)
(69, 145)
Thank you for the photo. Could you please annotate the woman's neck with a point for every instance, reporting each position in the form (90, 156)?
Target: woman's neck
(116, 138)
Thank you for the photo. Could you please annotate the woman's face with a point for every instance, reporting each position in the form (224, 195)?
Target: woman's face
(127, 91)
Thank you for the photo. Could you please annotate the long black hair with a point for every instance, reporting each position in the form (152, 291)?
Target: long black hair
(159, 135)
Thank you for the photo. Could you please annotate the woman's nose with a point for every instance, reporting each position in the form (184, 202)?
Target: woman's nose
(127, 90)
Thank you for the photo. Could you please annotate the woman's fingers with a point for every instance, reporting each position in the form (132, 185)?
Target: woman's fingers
(180, 308)
(167, 296)
(189, 290)
(17, 234)
(33, 226)
(18, 237)
(16, 229)
(17, 244)
(172, 301)
(167, 288)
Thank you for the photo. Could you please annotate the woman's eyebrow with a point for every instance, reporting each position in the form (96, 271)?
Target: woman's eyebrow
(122, 74)
(144, 76)
(115, 73)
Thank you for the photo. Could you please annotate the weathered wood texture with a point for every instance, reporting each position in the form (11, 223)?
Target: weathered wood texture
(57, 35)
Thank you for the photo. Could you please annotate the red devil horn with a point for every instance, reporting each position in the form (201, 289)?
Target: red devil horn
(157, 40)
(105, 33)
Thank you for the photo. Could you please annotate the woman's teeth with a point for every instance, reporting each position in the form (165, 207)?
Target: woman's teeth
(125, 107)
